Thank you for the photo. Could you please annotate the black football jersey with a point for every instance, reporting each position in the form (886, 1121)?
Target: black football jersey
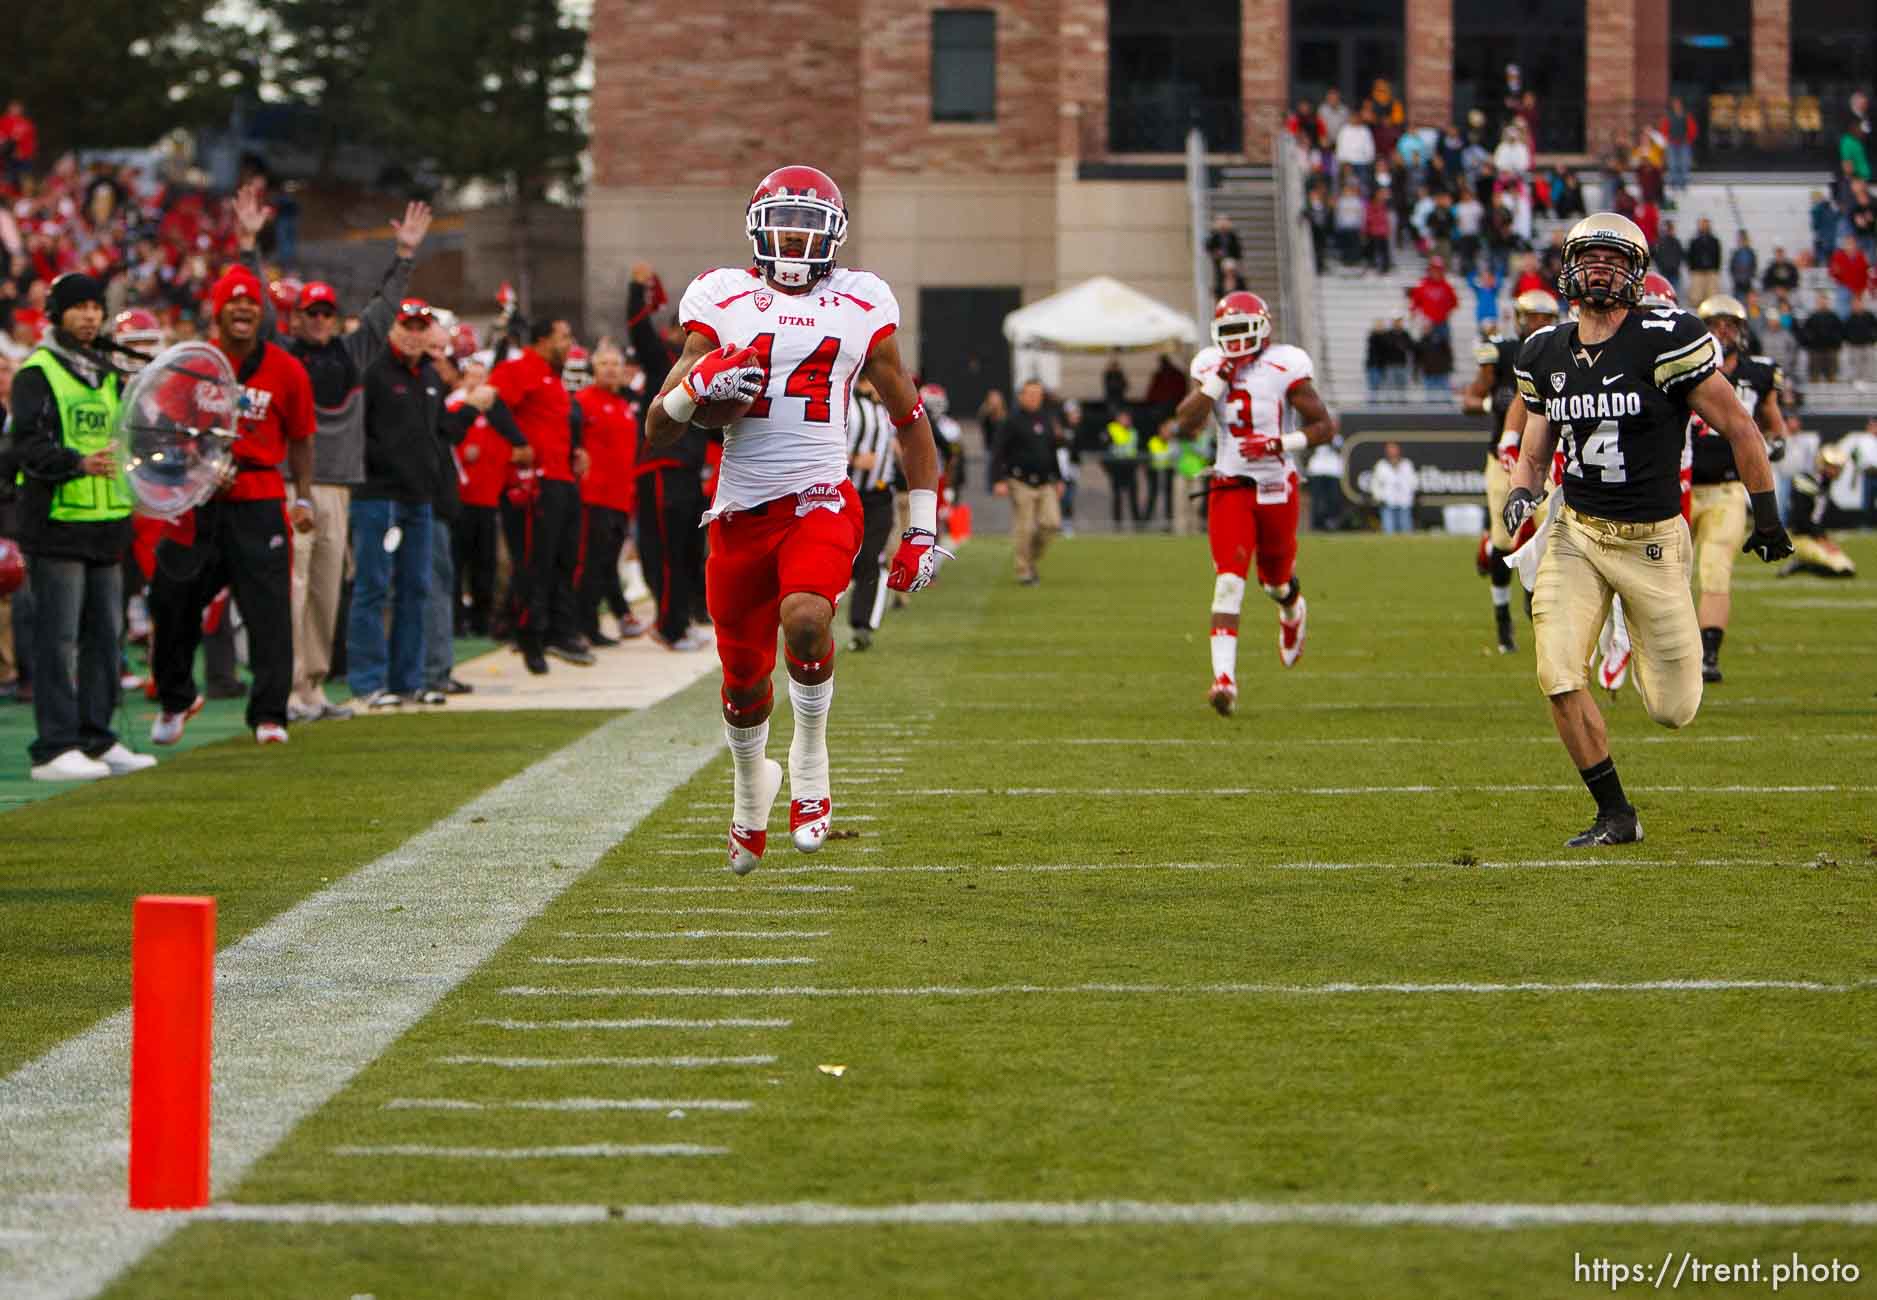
(1501, 353)
(1620, 408)
(1753, 379)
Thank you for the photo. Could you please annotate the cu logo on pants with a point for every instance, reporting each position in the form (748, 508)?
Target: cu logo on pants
(1653, 551)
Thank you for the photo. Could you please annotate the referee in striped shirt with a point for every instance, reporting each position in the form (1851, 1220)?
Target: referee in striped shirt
(870, 464)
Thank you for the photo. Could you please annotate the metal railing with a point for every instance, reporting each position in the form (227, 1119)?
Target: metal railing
(1299, 311)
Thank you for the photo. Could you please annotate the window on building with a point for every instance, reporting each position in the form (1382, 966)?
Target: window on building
(964, 65)
(1710, 48)
(1834, 53)
(1346, 44)
(1544, 39)
(1172, 67)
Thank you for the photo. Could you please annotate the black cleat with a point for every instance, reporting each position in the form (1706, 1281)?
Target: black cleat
(862, 639)
(1609, 828)
(1710, 670)
(1508, 644)
(536, 663)
(572, 652)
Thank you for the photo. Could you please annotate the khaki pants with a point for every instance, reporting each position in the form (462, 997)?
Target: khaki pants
(1035, 519)
(1702, 285)
(318, 573)
(1719, 518)
(1822, 553)
(1588, 560)
(1498, 488)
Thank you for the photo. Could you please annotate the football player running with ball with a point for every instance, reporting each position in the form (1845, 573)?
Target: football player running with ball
(777, 347)
(1250, 385)
(1614, 389)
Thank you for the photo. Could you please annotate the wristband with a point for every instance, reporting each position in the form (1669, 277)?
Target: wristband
(1295, 441)
(1486, 404)
(1766, 512)
(912, 417)
(1214, 385)
(680, 405)
(922, 510)
(299, 502)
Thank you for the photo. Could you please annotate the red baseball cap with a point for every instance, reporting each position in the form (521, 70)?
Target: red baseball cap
(414, 309)
(317, 292)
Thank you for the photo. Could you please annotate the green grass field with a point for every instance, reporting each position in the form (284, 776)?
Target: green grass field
(1089, 944)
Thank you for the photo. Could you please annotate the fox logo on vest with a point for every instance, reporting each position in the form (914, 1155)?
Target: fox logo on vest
(822, 496)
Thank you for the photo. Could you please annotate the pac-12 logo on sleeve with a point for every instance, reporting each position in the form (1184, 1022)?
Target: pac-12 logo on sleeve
(822, 496)
(763, 301)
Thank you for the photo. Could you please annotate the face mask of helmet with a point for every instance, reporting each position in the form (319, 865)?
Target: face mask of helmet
(795, 241)
(1239, 336)
(1614, 279)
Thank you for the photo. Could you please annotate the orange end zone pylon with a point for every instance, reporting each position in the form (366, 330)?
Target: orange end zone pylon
(172, 1008)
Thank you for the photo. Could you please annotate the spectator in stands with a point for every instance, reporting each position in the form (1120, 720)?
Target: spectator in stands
(1321, 218)
(1114, 383)
(1222, 246)
(1377, 230)
(1442, 225)
(1325, 472)
(1704, 263)
(1386, 116)
(1355, 148)
(1668, 254)
(1485, 286)
(1305, 131)
(1680, 129)
(1822, 336)
(1860, 334)
(1648, 217)
(1375, 358)
(19, 144)
(1469, 223)
(1860, 215)
(1433, 298)
(1781, 272)
(1351, 212)
(1165, 387)
(1743, 265)
(1332, 115)
(1778, 342)
(1824, 227)
(1850, 270)
(1393, 483)
(1433, 358)
(1853, 151)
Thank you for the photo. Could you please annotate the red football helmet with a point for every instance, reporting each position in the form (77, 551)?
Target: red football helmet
(937, 402)
(140, 331)
(576, 371)
(801, 206)
(12, 567)
(463, 341)
(1241, 324)
(1658, 292)
(285, 293)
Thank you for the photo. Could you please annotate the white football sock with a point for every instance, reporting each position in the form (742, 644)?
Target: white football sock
(746, 749)
(1225, 654)
(1502, 596)
(808, 750)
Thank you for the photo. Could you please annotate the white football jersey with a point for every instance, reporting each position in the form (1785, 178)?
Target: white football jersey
(813, 344)
(1258, 401)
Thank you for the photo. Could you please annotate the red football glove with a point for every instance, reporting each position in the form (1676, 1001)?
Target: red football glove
(916, 562)
(1257, 446)
(728, 374)
(1508, 456)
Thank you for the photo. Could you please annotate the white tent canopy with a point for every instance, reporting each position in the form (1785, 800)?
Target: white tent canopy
(1095, 316)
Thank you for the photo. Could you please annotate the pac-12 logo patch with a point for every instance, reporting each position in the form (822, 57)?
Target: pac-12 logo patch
(762, 301)
(1653, 551)
(1557, 381)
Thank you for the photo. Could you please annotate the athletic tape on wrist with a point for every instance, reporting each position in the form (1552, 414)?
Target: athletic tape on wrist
(922, 510)
(679, 404)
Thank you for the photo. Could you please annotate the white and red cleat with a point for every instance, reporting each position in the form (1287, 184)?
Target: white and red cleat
(1223, 697)
(747, 843)
(1612, 673)
(1290, 634)
(809, 822)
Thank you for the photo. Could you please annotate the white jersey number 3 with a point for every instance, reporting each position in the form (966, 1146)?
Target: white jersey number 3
(1600, 450)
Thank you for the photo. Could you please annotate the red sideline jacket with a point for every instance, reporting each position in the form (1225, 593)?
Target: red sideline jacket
(610, 437)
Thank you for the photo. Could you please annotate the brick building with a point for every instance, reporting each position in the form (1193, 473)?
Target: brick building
(994, 153)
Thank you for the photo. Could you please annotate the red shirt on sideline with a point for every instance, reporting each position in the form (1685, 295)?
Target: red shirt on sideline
(610, 436)
(480, 479)
(277, 407)
(541, 407)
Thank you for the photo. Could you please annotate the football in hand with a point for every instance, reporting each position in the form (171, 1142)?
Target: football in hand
(721, 415)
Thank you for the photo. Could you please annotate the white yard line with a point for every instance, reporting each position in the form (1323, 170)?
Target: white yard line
(731, 888)
(718, 820)
(636, 935)
(308, 1000)
(1579, 863)
(1340, 791)
(1377, 1214)
(588, 1151)
(1362, 742)
(712, 911)
(609, 1062)
(673, 961)
(568, 1104)
(643, 1022)
(1210, 990)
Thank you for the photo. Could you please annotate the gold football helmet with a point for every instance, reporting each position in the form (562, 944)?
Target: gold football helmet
(1605, 230)
(1724, 307)
(1533, 310)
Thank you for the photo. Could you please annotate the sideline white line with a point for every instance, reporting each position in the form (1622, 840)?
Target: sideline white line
(1218, 990)
(695, 934)
(732, 889)
(1510, 865)
(1459, 1214)
(673, 961)
(607, 1062)
(588, 1151)
(568, 1103)
(1364, 742)
(309, 999)
(644, 1022)
(712, 911)
(1338, 791)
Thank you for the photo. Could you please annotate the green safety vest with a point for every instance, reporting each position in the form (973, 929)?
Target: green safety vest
(87, 419)
(1121, 440)
(1160, 452)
